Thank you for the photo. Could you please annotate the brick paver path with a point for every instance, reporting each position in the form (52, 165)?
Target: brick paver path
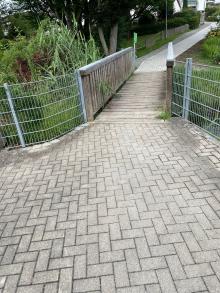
(126, 207)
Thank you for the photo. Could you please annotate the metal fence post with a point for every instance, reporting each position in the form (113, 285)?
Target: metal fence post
(14, 115)
(82, 98)
(169, 81)
(187, 88)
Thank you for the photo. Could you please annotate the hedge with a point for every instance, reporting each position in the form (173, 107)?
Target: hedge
(185, 17)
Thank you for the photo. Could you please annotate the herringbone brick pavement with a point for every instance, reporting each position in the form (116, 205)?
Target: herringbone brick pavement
(126, 208)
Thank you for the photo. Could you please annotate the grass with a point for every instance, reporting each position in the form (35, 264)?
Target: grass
(141, 48)
(204, 104)
(197, 54)
(47, 109)
(144, 51)
(141, 41)
(164, 116)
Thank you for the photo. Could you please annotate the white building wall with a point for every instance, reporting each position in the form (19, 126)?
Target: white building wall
(201, 5)
(178, 5)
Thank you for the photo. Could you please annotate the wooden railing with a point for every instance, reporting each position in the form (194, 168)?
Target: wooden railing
(100, 80)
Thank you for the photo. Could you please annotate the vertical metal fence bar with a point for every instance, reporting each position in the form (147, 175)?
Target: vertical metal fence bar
(187, 87)
(11, 105)
(81, 93)
(169, 77)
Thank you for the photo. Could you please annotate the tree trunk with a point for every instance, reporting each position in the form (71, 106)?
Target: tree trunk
(103, 41)
(113, 38)
(68, 20)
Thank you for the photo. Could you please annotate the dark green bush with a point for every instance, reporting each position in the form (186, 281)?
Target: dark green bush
(175, 22)
(187, 16)
(153, 28)
(147, 17)
(147, 29)
(191, 17)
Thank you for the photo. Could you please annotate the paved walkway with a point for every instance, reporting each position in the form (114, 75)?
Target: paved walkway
(126, 207)
(129, 204)
(156, 61)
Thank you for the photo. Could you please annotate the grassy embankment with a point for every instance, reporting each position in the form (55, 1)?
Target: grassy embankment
(142, 40)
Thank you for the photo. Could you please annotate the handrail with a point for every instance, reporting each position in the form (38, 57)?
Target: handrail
(101, 79)
(85, 70)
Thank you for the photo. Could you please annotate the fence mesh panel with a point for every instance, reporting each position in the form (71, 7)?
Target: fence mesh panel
(45, 109)
(203, 98)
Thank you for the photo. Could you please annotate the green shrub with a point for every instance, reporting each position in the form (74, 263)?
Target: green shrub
(187, 16)
(147, 29)
(175, 22)
(156, 27)
(12, 52)
(147, 17)
(191, 17)
(54, 50)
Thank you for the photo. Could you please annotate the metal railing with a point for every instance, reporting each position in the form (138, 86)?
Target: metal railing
(40, 111)
(196, 95)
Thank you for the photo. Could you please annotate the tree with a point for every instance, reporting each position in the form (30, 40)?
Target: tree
(22, 23)
(7, 10)
(101, 16)
(185, 3)
(64, 11)
(153, 7)
(109, 13)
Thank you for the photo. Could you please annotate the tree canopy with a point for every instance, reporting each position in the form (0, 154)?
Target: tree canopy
(100, 16)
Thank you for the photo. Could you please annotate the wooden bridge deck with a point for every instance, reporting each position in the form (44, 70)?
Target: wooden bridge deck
(141, 98)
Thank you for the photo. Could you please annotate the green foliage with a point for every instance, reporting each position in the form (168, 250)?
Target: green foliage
(159, 43)
(187, 16)
(185, 3)
(165, 116)
(155, 27)
(54, 50)
(48, 108)
(212, 13)
(1, 32)
(147, 17)
(211, 47)
(149, 28)
(12, 52)
(204, 96)
(24, 24)
(190, 16)
(105, 89)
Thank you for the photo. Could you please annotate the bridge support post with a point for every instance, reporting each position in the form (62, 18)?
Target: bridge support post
(169, 80)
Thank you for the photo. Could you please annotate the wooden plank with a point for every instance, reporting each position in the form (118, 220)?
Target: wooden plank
(93, 66)
(103, 78)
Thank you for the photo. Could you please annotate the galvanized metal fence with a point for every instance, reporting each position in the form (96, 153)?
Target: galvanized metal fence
(40, 111)
(196, 95)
